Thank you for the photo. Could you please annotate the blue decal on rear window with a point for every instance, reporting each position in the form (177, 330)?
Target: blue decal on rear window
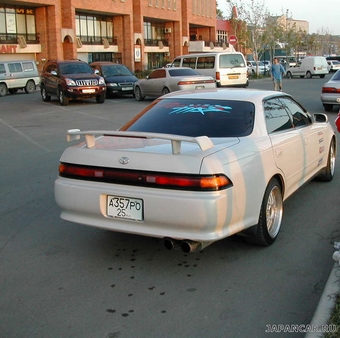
(201, 108)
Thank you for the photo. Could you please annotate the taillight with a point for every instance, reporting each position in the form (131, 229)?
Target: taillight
(195, 82)
(146, 179)
(218, 76)
(330, 90)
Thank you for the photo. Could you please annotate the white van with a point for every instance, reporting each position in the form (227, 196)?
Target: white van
(15, 75)
(229, 69)
(308, 67)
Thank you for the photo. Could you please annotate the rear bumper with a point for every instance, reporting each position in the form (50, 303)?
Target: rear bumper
(198, 216)
(330, 99)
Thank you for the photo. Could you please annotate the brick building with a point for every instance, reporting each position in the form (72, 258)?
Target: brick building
(141, 34)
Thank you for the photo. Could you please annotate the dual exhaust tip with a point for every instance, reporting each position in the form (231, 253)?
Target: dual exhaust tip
(185, 245)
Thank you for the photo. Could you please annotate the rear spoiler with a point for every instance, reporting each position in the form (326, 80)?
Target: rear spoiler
(204, 142)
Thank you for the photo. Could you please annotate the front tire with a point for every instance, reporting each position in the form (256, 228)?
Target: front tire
(30, 87)
(138, 94)
(328, 173)
(271, 214)
(63, 100)
(101, 98)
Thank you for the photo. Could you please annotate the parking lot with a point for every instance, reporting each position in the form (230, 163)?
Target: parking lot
(60, 279)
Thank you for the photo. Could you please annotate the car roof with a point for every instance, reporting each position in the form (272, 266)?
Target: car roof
(225, 94)
(104, 63)
(68, 61)
(170, 68)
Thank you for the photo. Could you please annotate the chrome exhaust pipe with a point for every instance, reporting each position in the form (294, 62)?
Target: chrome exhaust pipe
(170, 243)
(191, 246)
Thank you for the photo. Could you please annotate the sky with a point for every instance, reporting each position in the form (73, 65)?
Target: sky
(323, 17)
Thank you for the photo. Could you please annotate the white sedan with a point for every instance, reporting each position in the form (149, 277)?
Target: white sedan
(165, 80)
(195, 167)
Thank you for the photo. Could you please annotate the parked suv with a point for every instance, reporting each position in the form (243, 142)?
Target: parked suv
(71, 80)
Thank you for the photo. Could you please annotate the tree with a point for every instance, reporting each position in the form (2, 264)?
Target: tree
(255, 16)
(219, 13)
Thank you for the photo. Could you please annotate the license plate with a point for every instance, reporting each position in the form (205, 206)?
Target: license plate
(320, 68)
(87, 91)
(125, 207)
(338, 99)
(233, 76)
(199, 87)
(127, 88)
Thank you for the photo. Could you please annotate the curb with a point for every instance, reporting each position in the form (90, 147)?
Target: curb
(326, 303)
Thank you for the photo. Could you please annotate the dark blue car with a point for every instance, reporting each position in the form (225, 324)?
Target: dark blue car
(119, 79)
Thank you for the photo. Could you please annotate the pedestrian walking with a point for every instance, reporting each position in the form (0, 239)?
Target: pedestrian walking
(277, 72)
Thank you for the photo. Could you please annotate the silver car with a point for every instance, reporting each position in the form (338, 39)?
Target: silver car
(330, 95)
(165, 80)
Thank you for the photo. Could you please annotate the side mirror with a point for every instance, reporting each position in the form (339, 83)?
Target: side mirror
(320, 117)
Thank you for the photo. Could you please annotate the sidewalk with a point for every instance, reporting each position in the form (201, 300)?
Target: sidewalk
(327, 302)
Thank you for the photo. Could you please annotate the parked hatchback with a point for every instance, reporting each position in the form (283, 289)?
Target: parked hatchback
(119, 79)
(71, 80)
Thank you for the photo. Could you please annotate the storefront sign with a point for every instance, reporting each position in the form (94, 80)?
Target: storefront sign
(137, 54)
(8, 49)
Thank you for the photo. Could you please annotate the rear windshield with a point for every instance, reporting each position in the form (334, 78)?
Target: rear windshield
(336, 76)
(199, 117)
(182, 72)
(231, 61)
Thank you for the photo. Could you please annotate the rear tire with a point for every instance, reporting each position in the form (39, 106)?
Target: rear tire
(271, 213)
(328, 107)
(44, 95)
(308, 75)
(289, 75)
(165, 91)
(3, 89)
(30, 87)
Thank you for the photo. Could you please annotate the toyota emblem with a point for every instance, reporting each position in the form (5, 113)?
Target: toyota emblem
(124, 160)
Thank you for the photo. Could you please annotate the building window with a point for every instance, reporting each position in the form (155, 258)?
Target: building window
(93, 29)
(154, 31)
(16, 21)
(222, 37)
